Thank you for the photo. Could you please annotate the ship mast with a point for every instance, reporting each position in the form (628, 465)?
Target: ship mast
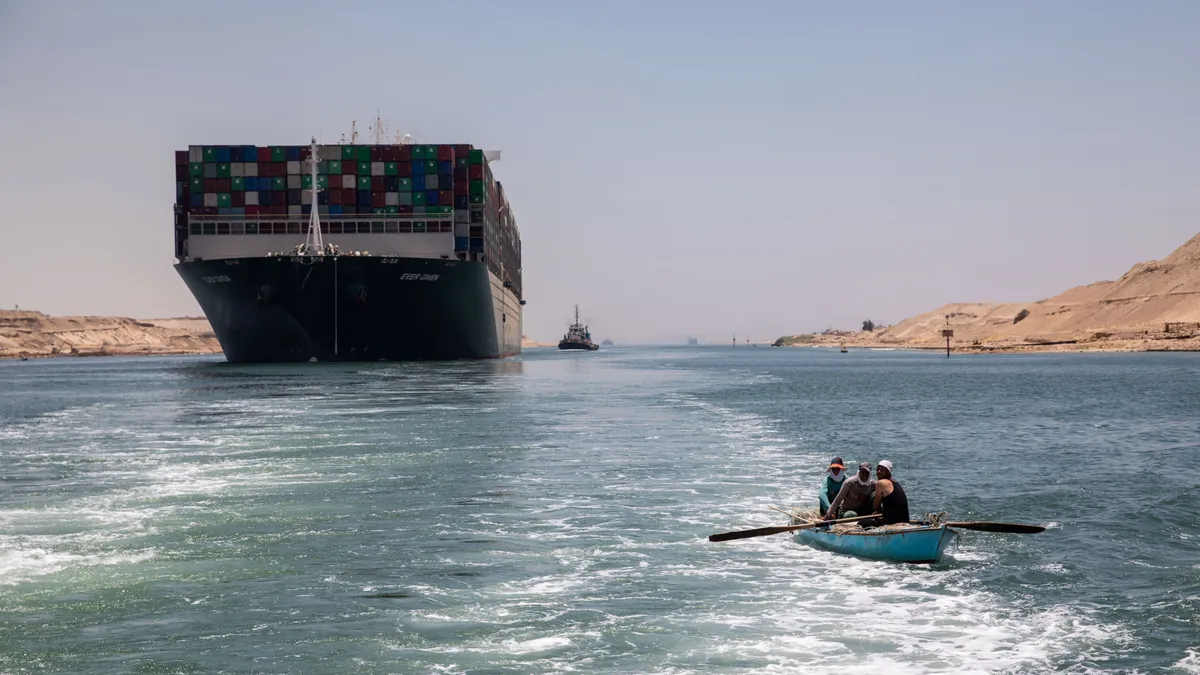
(313, 244)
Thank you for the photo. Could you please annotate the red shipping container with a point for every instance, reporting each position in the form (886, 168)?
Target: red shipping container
(181, 157)
(446, 198)
(279, 209)
(405, 153)
(252, 210)
(378, 200)
(224, 185)
(377, 184)
(460, 174)
(445, 153)
(210, 185)
(377, 153)
(335, 196)
(264, 155)
(391, 153)
(462, 187)
(406, 208)
(475, 172)
(237, 199)
(182, 173)
(349, 196)
(462, 150)
(272, 169)
(404, 169)
(349, 167)
(305, 152)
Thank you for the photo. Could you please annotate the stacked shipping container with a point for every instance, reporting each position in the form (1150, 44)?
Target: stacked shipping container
(451, 183)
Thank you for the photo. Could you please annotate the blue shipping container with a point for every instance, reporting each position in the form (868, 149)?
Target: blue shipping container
(238, 210)
(225, 211)
(335, 209)
(364, 197)
(446, 168)
(250, 183)
(462, 201)
(197, 199)
(264, 198)
(235, 154)
(306, 209)
(249, 153)
(461, 243)
(322, 197)
(222, 154)
(418, 183)
(293, 153)
(418, 169)
(431, 197)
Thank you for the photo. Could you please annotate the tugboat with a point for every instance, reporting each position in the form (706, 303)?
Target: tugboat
(578, 336)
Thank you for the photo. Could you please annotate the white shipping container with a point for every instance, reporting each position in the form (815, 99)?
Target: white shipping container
(293, 182)
(391, 199)
(250, 168)
(349, 181)
(461, 229)
(251, 198)
(306, 197)
(293, 168)
(210, 199)
(460, 216)
(376, 168)
(195, 153)
(294, 210)
(431, 181)
(329, 152)
(237, 170)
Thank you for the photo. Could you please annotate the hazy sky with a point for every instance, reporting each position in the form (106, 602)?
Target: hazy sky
(676, 168)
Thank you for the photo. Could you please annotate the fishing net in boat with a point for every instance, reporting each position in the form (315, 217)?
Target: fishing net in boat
(813, 516)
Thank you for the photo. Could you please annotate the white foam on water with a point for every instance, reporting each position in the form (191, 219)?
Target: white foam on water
(1189, 663)
(22, 565)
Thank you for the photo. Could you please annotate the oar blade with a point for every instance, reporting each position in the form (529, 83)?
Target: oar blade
(983, 526)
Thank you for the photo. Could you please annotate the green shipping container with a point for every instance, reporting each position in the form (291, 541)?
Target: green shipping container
(335, 167)
(278, 183)
(391, 209)
(405, 198)
(278, 153)
(476, 199)
(322, 182)
(196, 169)
(405, 185)
(418, 152)
(364, 182)
(476, 188)
(222, 171)
(431, 168)
(379, 210)
(462, 161)
(210, 154)
(239, 184)
(197, 184)
(391, 169)
(349, 152)
(306, 182)
(363, 154)
(364, 168)
(477, 157)
(322, 168)
(224, 200)
(418, 198)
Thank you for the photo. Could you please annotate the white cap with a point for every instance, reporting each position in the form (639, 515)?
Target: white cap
(886, 464)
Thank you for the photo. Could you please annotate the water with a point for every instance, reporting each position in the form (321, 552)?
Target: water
(550, 514)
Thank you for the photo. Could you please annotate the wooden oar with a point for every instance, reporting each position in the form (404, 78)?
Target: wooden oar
(764, 531)
(984, 526)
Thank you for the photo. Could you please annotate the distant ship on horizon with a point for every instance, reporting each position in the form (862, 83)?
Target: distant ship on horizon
(693, 341)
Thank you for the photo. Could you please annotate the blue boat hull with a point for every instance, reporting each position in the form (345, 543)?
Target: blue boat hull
(917, 545)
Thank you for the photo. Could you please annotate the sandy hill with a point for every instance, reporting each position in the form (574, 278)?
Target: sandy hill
(1155, 305)
(36, 334)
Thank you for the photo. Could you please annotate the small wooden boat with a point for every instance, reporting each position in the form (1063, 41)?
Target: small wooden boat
(922, 544)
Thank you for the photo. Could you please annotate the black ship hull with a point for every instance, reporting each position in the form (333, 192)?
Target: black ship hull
(578, 346)
(347, 308)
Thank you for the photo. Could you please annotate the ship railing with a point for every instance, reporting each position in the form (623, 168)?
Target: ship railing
(341, 217)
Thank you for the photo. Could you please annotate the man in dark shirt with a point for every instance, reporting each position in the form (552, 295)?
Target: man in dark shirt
(889, 498)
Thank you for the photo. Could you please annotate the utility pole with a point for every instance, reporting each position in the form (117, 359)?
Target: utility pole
(947, 333)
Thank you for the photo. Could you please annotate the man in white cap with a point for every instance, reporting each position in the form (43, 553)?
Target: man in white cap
(889, 497)
(854, 497)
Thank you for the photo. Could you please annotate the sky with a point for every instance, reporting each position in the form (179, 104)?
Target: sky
(676, 168)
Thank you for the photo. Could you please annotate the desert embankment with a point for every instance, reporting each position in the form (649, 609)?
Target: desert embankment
(33, 334)
(1155, 306)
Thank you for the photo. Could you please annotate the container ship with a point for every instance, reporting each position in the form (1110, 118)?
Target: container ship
(350, 252)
